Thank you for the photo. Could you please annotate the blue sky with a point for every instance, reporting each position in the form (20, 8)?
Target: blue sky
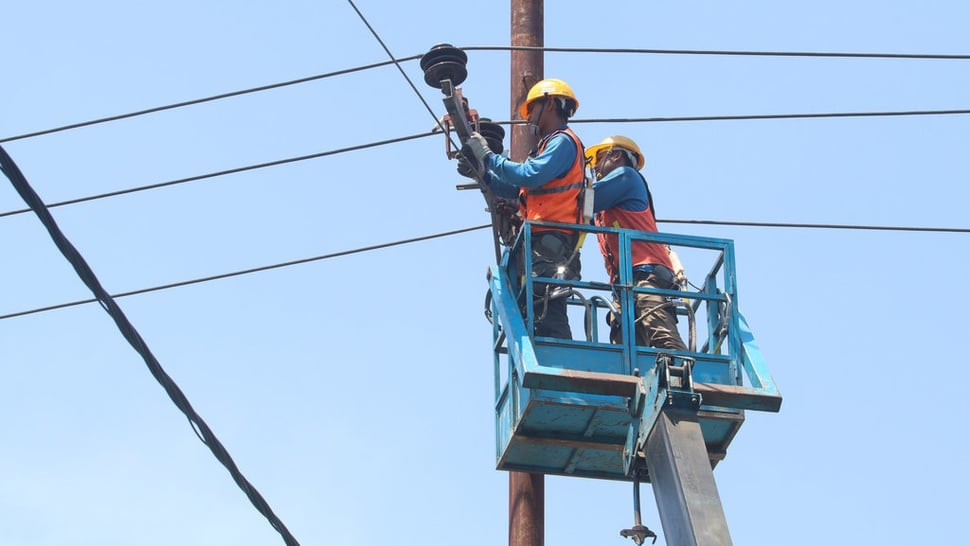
(356, 392)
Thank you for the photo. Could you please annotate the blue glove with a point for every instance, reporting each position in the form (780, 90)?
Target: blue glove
(478, 147)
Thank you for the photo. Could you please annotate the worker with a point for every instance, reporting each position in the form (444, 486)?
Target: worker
(622, 199)
(548, 185)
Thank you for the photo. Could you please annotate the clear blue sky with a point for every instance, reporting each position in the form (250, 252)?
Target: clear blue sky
(356, 393)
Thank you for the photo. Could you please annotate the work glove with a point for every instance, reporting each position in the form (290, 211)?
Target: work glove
(478, 147)
(507, 216)
(466, 165)
(508, 207)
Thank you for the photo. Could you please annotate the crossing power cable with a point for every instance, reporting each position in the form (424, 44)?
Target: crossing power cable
(922, 229)
(84, 271)
(397, 62)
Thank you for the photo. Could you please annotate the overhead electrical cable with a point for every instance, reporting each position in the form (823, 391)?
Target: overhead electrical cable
(860, 227)
(397, 61)
(465, 230)
(669, 119)
(708, 52)
(224, 172)
(84, 271)
(205, 99)
(252, 270)
(742, 117)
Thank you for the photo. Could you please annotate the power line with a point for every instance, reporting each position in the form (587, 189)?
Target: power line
(743, 117)
(397, 61)
(775, 116)
(669, 119)
(224, 172)
(818, 226)
(923, 56)
(86, 274)
(205, 99)
(250, 270)
(475, 228)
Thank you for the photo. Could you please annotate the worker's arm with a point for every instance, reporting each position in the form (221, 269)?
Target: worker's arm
(554, 161)
(621, 188)
(499, 188)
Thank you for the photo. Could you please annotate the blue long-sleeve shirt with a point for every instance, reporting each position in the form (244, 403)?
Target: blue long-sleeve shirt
(623, 187)
(505, 176)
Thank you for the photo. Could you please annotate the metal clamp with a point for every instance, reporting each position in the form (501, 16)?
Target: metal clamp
(678, 381)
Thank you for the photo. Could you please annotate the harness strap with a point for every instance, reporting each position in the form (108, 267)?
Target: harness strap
(556, 189)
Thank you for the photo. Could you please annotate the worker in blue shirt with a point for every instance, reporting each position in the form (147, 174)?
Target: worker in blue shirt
(548, 185)
(621, 199)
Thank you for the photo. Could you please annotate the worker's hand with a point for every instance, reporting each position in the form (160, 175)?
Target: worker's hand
(508, 220)
(466, 166)
(507, 207)
(478, 147)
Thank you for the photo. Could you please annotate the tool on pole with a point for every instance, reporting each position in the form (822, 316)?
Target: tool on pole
(444, 69)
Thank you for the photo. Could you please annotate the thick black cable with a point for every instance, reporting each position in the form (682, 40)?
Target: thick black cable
(225, 172)
(84, 271)
(924, 56)
(464, 230)
(205, 99)
(251, 270)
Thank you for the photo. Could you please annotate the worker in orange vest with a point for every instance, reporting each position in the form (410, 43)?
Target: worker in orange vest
(622, 200)
(548, 184)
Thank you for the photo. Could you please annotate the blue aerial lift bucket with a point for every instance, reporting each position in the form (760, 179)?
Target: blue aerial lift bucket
(585, 407)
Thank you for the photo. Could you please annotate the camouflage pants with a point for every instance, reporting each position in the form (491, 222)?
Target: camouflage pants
(657, 324)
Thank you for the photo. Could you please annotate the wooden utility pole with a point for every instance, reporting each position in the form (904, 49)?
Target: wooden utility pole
(526, 491)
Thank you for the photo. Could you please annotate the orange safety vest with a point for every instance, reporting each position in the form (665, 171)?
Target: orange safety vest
(558, 199)
(643, 252)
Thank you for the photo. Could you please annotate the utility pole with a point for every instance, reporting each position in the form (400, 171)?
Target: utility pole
(526, 490)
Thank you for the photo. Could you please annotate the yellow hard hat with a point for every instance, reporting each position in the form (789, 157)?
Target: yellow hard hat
(615, 141)
(550, 88)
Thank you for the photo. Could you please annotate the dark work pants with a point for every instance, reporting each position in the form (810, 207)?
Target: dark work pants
(659, 327)
(550, 249)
